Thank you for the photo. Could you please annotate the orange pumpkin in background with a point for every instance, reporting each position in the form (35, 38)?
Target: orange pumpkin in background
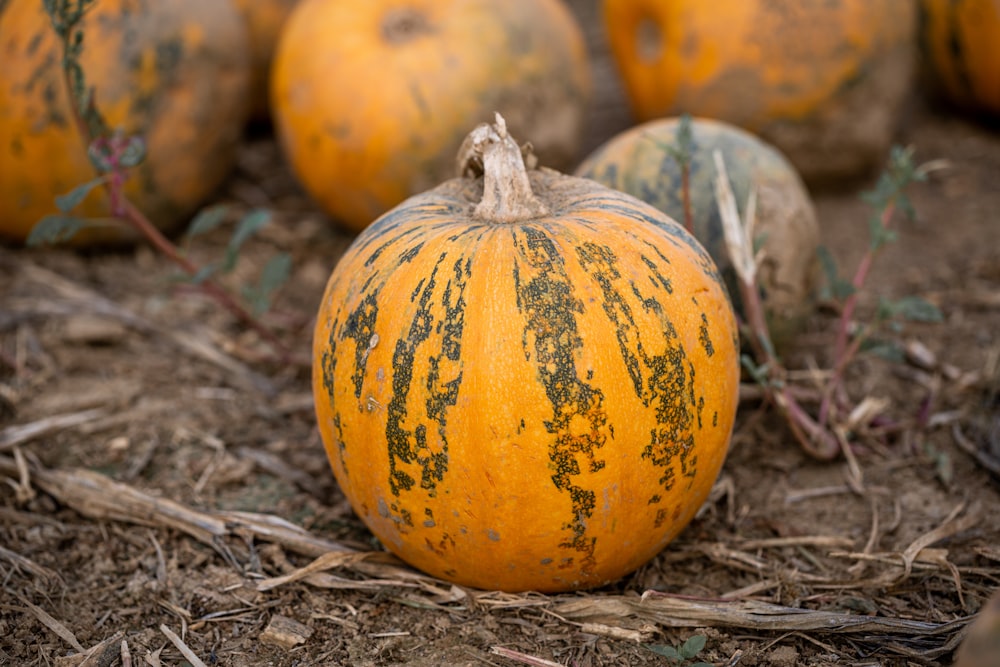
(960, 42)
(825, 82)
(265, 19)
(525, 381)
(174, 73)
(371, 100)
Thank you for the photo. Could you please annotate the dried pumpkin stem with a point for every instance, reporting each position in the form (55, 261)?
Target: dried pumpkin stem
(507, 196)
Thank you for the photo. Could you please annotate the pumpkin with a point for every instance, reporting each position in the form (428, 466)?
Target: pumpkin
(174, 73)
(639, 161)
(265, 19)
(959, 43)
(525, 380)
(825, 82)
(371, 100)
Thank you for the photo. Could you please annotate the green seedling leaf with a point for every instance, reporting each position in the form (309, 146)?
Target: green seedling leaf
(203, 274)
(757, 372)
(55, 229)
(273, 276)
(917, 309)
(693, 646)
(879, 234)
(668, 652)
(249, 225)
(685, 139)
(683, 145)
(837, 287)
(206, 220)
(886, 349)
(71, 199)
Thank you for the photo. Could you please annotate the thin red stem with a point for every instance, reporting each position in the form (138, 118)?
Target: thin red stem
(842, 352)
(141, 223)
(123, 209)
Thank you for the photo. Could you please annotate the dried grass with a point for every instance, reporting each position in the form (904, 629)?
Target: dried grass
(632, 618)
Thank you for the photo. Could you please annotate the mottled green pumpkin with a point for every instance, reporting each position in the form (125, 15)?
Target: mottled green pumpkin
(525, 381)
(639, 161)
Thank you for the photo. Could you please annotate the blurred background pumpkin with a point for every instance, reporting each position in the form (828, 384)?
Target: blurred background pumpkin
(825, 82)
(265, 19)
(174, 73)
(960, 42)
(371, 100)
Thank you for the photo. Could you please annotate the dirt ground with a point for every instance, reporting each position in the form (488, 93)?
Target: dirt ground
(151, 510)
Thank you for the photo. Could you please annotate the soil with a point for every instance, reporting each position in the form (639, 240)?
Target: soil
(128, 520)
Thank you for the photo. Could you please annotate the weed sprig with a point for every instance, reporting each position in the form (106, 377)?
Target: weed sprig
(113, 155)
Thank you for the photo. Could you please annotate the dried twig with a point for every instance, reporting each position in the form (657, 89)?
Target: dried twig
(188, 654)
(99, 497)
(79, 299)
(19, 433)
(523, 658)
(24, 563)
(52, 624)
(675, 612)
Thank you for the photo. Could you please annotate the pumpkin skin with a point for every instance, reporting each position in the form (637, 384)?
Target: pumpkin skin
(959, 43)
(174, 73)
(371, 100)
(825, 82)
(541, 403)
(637, 161)
(265, 19)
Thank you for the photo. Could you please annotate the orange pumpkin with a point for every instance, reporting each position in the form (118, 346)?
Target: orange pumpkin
(823, 81)
(265, 19)
(371, 100)
(638, 161)
(525, 380)
(960, 41)
(174, 73)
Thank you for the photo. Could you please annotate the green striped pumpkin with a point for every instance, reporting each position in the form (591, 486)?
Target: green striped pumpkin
(525, 381)
(639, 161)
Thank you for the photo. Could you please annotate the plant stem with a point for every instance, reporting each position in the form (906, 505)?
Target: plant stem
(842, 352)
(686, 196)
(123, 209)
(816, 440)
(138, 219)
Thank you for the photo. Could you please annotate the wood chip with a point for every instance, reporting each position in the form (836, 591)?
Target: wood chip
(88, 329)
(285, 632)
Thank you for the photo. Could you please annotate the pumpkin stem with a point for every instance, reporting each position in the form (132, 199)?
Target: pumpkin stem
(492, 153)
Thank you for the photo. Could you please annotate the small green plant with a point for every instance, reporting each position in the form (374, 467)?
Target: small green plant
(823, 434)
(113, 155)
(683, 654)
(681, 151)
